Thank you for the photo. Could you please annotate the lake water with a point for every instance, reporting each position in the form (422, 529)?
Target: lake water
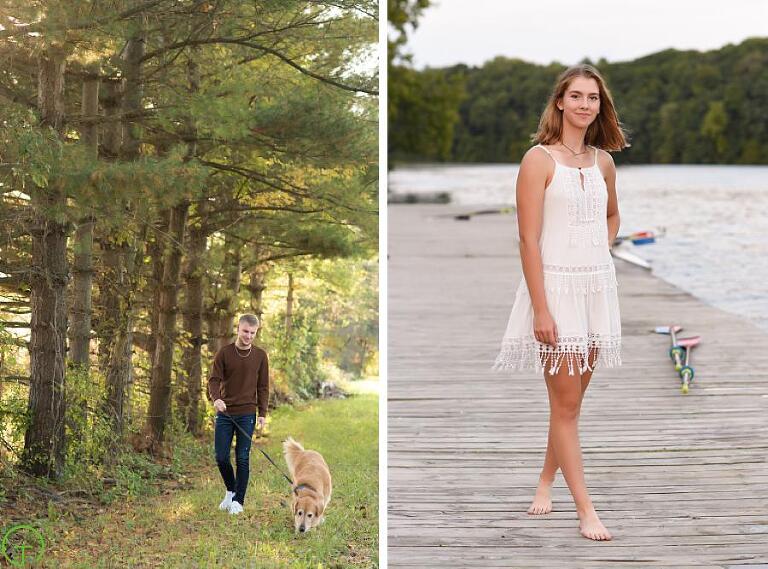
(716, 221)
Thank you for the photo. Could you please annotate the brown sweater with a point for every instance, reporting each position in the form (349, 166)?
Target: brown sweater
(241, 382)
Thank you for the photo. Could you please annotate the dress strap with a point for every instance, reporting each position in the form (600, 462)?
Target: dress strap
(596, 151)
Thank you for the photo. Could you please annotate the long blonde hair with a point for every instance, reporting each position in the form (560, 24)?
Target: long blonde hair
(605, 132)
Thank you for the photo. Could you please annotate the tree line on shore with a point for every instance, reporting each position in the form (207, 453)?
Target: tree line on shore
(685, 107)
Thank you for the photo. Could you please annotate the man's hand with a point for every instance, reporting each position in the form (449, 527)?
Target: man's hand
(219, 405)
(260, 422)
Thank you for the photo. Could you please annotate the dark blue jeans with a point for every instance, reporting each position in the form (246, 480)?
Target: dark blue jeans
(225, 429)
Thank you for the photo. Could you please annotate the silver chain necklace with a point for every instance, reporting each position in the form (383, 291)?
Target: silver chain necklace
(586, 148)
(237, 351)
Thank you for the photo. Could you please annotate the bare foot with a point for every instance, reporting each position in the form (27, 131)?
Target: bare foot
(591, 527)
(542, 502)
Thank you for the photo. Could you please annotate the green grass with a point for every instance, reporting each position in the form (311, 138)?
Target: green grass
(183, 527)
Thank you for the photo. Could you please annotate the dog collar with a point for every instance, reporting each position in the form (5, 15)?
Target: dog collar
(300, 486)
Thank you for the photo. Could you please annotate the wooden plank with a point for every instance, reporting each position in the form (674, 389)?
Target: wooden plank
(681, 481)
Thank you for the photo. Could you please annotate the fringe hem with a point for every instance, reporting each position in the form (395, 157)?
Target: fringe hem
(524, 355)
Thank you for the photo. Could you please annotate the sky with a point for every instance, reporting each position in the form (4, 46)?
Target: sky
(566, 31)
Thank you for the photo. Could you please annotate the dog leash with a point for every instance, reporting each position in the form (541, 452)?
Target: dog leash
(260, 449)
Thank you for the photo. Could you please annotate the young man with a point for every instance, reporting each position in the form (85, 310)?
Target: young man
(238, 385)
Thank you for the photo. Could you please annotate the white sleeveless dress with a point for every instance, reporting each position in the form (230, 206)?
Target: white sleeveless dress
(579, 280)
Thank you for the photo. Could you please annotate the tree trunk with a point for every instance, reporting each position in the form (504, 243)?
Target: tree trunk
(189, 387)
(211, 320)
(80, 329)
(111, 280)
(289, 306)
(156, 253)
(364, 346)
(112, 140)
(44, 443)
(112, 133)
(119, 376)
(160, 390)
(125, 271)
(118, 311)
(134, 91)
(256, 287)
(226, 308)
(189, 397)
(134, 271)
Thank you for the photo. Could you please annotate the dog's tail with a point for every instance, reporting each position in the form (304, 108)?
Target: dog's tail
(291, 449)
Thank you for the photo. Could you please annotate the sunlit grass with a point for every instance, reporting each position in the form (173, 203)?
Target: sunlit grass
(184, 527)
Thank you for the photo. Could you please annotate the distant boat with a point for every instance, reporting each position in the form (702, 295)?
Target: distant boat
(624, 252)
(467, 215)
(419, 198)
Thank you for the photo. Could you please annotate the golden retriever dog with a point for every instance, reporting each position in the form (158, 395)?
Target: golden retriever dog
(311, 485)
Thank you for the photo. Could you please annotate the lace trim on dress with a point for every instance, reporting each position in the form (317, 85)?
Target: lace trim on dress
(582, 236)
(524, 353)
(580, 279)
(584, 208)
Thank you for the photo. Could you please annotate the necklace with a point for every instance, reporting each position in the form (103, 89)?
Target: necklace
(237, 351)
(586, 148)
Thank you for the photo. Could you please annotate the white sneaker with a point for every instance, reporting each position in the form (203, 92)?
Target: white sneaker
(227, 501)
(235, 507)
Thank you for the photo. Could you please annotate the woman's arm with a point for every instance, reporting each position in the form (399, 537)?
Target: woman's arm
(531, 183)
(609, 168)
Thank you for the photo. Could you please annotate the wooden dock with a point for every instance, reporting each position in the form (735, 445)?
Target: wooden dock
(680, 481)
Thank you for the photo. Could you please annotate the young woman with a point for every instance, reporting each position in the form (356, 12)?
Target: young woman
(565, 318)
